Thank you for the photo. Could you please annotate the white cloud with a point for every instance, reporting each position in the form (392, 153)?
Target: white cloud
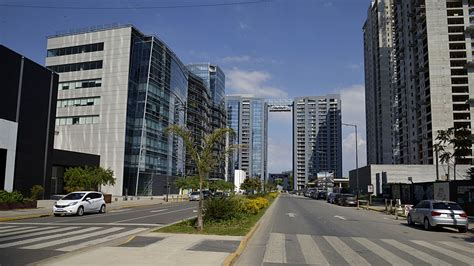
(353, 112)
(240, 59)
(252, 82)
(243, 26)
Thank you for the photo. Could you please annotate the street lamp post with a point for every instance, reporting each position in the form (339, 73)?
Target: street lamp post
(357, 158)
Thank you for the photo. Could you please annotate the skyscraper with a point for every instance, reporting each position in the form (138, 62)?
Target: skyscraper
(379, 96)
(214, 79)
(248, 117)
(118, 91)
(317, 143)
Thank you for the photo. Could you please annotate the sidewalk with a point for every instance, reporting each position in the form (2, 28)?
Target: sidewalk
(45, 207)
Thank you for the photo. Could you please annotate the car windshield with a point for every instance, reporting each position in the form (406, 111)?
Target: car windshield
(74, 196)
(446, 206)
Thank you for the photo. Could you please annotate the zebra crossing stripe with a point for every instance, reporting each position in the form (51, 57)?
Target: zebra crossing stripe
(14, 230)
(70, 239)
(101, 240)
(44, 232)
(345, 251)
(446, 252)
(383, 253)
(310, 250)
(275, 251)
(5, 227)
(31, 240)
(25, 231)
(416, 253)
(457, 246)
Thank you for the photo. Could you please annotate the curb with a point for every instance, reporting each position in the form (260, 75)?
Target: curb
(231, 258)
(7, 219)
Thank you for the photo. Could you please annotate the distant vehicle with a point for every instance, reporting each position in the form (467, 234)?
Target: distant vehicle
(308, 192)
(313, 194)
(338, 199)
(195, 195)
(218, 194)
(434, 213)
(321, 195)
(349, 200)
(332, 197)
(80, 202)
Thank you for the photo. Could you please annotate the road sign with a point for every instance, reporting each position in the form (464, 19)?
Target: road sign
(370, 189)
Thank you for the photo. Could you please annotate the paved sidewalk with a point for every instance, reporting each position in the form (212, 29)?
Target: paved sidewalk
(156, 249)
(45, 207)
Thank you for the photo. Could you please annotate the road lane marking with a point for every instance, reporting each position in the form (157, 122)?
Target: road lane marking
(383, 253)
(457, 246)
(71, 239)
(312, 254)
(101, 240)
(14, 230)
(31, 240)
(89, 224)
(25, 231)
(138, 218)
(5, 227)
(275, 251)
(446, 252)
(291, 215)
(121, 210)
(45, 232)
(340, 217)
(159, 210)
(416, 253)
(345, 251)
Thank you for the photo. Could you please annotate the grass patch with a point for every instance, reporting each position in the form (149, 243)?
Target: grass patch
(234, 227)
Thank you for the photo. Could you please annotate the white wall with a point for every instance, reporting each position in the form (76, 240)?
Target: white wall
(239, 177)
(8, 136)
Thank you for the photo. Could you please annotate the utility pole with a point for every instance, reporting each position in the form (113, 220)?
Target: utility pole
(437, 170)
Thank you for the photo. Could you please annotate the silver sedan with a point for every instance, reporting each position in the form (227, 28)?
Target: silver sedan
(435, 213)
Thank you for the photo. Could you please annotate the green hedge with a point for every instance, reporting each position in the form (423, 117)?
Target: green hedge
(10, 197)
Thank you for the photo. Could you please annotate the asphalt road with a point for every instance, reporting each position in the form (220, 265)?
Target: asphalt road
(32, 240)
(301, 231)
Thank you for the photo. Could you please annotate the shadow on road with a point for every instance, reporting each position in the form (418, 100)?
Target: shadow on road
(436, 229)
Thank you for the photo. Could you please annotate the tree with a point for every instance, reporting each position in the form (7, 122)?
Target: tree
(221, 185)
(202, 155)
(270, 186)
(453, 144)
(251, 184)
(87, 178)
(190, 182)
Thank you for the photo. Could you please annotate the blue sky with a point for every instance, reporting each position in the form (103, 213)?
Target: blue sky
(275, 49)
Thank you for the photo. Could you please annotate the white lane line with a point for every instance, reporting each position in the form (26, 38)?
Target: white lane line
(70, 239)
(121, 210)
(31, 240)
(312, 254)
(101, 240)
(275, 251)
(25, 231)
(138, 218)
(345, 251)
(446, 252)
(428, 258)
(457, 246)
(8, 231)
(383, 253)
(340, 217)
(36, 233)
(5, 227)
(94, 224)
(159, 210)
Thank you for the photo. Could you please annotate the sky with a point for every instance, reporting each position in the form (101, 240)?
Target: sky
(272, 49)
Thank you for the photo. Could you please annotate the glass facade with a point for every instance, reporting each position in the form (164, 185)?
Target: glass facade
(233, 117)
(257, 138)
(157, 98)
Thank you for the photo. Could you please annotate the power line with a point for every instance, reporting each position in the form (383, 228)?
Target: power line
(138, 7)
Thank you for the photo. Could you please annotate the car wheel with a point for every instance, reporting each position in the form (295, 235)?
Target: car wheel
(409, 220)
(427, 225)
(102, 209)
(80, 211)
(462, 229)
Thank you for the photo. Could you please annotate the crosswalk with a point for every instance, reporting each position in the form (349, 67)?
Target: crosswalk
(332, 250)
(61, 238)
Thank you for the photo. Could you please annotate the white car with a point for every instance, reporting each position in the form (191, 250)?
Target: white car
(80, 202)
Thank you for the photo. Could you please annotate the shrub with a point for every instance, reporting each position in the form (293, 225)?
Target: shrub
(273, 195)
(253, 206)
(10, 197)
(219, 209)
(36, 192)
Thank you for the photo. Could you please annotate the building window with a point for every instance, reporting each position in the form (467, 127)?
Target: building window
(77, 120)
(78, 102)
(79, 49)
(79, 84)
(76, 67)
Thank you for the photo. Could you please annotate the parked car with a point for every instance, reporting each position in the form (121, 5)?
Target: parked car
(349, 200)
(313, 194)
(435, 213)
(80, 202)
(321, 195)
(332, 197)
(338, 199)
(194, 196)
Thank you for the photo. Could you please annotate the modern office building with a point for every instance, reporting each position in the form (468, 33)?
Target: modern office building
(248, 117)
(317, 145)
(379, 96)
(214, 80)
(27, 114)
(118, 91)
(431, 75)
(198, 116)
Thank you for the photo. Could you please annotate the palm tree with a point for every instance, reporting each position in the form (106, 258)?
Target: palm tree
(203, 156)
